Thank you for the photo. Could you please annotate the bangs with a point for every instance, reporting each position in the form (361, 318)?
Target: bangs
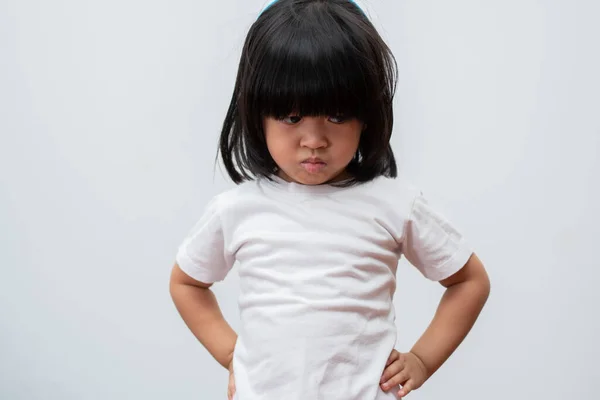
(312, 67)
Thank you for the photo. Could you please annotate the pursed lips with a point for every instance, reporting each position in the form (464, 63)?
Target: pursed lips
(314, 160)
(313, 164)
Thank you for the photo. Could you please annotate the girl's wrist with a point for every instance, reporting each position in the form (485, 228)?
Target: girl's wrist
(229, 362)
(422, 364)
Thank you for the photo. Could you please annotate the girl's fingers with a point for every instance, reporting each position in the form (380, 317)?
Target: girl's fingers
(231, 387)
(406, 388)
(394, 355)
(398, 379)
(391, 370)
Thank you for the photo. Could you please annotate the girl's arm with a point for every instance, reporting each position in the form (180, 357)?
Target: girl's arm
(465, 295)
(199, 309)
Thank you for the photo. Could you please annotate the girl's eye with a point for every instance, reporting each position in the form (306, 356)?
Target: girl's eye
(294, 119)
(291, 119)
(338, 119)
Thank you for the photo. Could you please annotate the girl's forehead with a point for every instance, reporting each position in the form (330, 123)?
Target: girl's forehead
(326, 86)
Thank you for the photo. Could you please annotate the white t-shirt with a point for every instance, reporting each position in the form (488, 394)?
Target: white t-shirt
(317, 268)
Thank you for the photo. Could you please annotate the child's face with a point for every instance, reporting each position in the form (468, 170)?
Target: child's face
(312, 150)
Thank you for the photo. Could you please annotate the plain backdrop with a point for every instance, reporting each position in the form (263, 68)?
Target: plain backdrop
(110, 113)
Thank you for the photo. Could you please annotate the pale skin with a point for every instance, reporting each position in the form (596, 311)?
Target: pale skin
(334, 141)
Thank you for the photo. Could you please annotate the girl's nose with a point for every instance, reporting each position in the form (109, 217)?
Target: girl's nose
(314, 136)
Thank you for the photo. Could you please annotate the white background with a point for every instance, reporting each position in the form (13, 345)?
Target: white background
(109, 118)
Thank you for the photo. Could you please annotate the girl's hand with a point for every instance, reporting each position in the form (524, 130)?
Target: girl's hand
(231, 385)
(405, 369)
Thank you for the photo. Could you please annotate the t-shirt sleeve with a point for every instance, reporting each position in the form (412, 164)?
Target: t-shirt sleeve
(432, 244)
(202, 255)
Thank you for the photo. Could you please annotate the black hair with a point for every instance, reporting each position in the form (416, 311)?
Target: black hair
(313, 58)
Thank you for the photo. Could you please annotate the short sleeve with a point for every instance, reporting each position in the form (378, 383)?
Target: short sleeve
(432, 244)
(202, 254)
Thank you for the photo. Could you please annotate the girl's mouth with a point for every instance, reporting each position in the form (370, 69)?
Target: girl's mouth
(313, 165)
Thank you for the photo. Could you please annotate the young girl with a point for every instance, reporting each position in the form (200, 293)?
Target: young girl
(318, 222)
